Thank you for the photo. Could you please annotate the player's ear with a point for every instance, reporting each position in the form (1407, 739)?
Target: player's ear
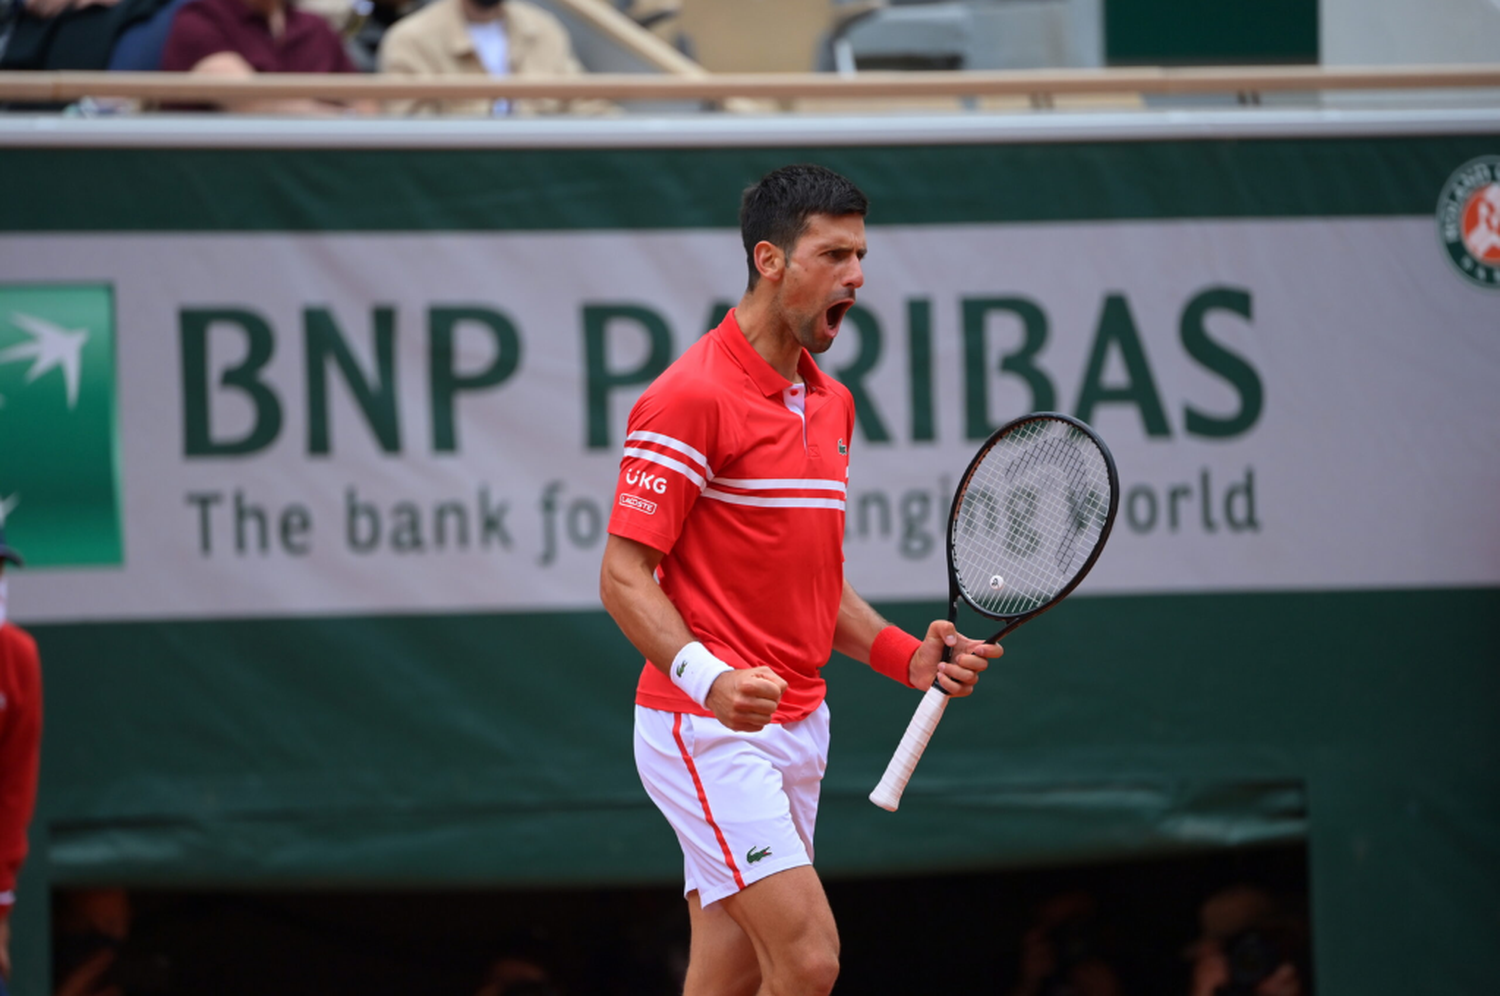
(770, 261)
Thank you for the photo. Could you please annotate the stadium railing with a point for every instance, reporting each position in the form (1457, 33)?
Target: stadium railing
(1039, 87)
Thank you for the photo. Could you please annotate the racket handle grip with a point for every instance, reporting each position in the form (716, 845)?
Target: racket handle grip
(887, 794)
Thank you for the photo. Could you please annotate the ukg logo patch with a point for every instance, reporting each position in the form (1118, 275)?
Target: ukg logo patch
(1469, 221)
(58, 471)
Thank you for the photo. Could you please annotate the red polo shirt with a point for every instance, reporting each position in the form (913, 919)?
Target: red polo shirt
(745, 495)
(206, 27)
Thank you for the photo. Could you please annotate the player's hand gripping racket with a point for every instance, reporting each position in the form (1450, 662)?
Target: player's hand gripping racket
(1029, 518)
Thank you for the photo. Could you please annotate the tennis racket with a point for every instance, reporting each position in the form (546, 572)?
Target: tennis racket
(1028, 520)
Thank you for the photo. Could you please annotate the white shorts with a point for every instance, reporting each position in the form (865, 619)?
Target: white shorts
(743, 804)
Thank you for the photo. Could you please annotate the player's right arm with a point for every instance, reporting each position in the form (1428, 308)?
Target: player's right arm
(743, 699)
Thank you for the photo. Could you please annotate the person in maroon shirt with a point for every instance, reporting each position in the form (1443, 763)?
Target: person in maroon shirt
(244, 37)
(20, 751)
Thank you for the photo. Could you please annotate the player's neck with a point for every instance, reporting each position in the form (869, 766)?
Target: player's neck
(769, 335)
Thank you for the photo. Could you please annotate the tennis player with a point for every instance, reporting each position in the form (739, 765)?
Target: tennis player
(724, 567)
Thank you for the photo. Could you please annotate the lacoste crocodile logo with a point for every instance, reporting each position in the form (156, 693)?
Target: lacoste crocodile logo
(843, 449)
(681, 668)
(753, 855)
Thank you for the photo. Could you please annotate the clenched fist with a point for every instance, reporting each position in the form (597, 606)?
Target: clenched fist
(745, 699)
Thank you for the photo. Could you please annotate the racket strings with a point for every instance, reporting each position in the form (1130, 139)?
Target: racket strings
(1031, 513)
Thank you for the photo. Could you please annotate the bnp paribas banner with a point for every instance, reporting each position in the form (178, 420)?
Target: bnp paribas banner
(334, 417)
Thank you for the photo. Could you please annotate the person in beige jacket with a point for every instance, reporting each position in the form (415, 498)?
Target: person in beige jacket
(482, 37)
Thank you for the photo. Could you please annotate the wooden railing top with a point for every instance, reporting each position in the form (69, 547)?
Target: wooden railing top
(58, 87)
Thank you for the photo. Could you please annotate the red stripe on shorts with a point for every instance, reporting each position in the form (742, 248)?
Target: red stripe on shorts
(703, 798)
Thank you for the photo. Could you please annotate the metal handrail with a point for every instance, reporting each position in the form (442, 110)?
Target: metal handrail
(56, 87)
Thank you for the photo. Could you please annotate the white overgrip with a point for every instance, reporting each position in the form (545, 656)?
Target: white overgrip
(887, 794)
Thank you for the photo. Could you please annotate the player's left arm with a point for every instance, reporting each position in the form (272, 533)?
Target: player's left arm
(860, 628)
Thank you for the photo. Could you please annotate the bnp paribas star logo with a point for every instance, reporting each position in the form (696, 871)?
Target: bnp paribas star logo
(58, 467)
(1469, 221)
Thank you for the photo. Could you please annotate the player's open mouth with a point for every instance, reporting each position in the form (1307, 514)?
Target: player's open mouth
(834, 315)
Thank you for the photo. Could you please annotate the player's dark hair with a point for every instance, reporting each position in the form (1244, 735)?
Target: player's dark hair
(776, 208)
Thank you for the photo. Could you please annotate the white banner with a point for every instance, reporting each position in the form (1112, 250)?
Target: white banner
(1291, 403)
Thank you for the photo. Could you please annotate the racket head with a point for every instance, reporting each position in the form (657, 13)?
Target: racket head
(1030, 517)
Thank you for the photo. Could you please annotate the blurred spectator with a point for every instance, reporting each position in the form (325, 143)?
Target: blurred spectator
(239, 38)
(1248, 946)
(139, 47)
(1066, 951)
(517, 975)
(93, 953)
(67, 34)
(20, 748)
(89, 928)
(478, 38)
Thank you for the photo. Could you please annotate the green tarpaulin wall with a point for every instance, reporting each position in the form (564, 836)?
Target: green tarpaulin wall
(438, 749)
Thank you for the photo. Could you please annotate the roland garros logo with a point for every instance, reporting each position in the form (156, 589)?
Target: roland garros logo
(1468, 217)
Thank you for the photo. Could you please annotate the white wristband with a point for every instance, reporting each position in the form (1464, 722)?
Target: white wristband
(694, 670)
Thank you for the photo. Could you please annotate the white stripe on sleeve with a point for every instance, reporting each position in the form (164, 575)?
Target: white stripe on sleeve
(662, 460)
(641, 436)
